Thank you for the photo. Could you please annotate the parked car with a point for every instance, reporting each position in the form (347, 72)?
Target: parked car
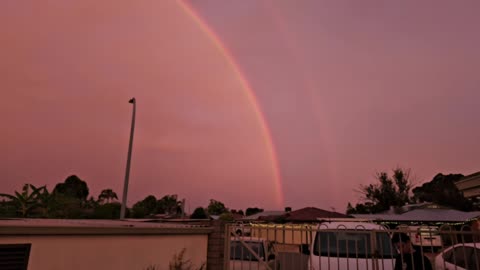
(252, 253)
(351, 245)
(460, 256)
(242, 229)
(425, 236)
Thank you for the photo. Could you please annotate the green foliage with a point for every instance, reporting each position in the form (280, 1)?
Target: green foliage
(216, 207)
(388, 191)
(73, 187)
(253, 211)
(443, 191)
(199, 213)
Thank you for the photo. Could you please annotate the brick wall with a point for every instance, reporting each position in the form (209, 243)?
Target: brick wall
(216, 246)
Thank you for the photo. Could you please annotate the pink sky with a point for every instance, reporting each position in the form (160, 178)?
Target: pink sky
(347, 89)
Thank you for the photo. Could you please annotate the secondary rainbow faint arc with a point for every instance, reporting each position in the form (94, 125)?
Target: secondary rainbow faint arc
(266, 134)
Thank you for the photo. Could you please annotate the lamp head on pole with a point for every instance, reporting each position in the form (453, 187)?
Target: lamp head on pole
(132, 100)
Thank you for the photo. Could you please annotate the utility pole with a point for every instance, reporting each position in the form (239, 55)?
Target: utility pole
(129, 157)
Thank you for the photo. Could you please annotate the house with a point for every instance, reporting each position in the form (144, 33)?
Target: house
(470, 186)
(264, 216)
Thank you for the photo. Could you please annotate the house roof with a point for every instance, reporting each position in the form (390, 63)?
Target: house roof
(312, 214)
(91, 226)
(264, 214)
(424, 215)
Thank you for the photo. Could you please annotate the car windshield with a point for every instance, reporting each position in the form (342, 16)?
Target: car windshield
(238, 251)
(352, 245)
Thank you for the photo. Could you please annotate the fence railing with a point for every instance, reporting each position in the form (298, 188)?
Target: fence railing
(352, 245)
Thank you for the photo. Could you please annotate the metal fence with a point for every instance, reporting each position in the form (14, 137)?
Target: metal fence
(350, 245)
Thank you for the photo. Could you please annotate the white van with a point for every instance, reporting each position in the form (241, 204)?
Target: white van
(252, 253)
(351, 245)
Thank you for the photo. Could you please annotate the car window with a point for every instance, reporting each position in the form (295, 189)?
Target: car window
(447, 256)
(343, 244)
(239, 252)
(461, 256)
(384, 246)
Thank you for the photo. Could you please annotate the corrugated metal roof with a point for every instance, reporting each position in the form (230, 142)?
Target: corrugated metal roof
(96, 227)
(264, 214)
(425, 215)
(312, 214)
(90, 223)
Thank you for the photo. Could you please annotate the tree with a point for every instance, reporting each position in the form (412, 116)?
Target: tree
(442, 190)
(386, 193)
(26, 201)
(216, 207)
(73, 187)
(253, 211)
(145, 207)
(107, 211)
(350, 209)
(169, 204)
(107, 195)
(227, 216)
(199, 213)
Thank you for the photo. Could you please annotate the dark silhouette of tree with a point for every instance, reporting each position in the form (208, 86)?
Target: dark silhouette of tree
(145, 207)
(387, 192)
(107, 211)
(199, 213)
(27, 200)
(216, 207)
(443, 191)
(240, 212)
(169, 204)
(253, 211)
(107, 195)
(73, 187)
(350, 209)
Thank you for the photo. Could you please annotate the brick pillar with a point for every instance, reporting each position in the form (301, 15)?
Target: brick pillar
(216, 246)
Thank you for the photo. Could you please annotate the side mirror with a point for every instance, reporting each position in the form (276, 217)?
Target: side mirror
(271, 257)
(305, 249)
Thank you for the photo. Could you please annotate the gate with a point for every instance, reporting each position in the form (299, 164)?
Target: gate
(346, 245)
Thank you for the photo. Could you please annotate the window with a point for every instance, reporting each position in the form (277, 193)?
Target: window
(353, 245)
(14, 256)
(239, 252)
(461, 256)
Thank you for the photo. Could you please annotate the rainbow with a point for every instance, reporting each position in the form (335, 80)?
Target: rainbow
(266, 134)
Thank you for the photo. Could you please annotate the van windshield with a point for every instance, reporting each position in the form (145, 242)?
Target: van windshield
(353, 244)
(239, 252)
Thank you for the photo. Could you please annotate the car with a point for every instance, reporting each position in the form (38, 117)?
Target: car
(242, 229)
(459, 256)
(424, 236)
(351, 245)
(252, 253)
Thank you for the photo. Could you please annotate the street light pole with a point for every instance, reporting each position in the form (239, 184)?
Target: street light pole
(129, 157)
